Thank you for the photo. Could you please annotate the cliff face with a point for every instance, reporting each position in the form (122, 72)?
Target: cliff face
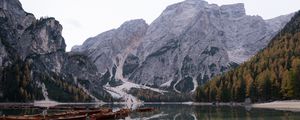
(34, 64)
(192, 41)
(109, 48)
(184, 47)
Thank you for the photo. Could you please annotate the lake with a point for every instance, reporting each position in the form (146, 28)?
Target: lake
(177, 112)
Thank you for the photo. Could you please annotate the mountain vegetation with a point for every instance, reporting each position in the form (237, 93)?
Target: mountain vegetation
(272, 74)
(147, 95)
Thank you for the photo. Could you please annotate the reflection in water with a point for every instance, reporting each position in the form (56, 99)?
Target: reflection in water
(156, 116)
(194, 116)
(179, 112)
(175, 117)
(190, 112)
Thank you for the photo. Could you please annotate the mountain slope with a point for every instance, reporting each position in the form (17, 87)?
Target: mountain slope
(272, 74)
(34, 64)
(189, 43)
(192, 41)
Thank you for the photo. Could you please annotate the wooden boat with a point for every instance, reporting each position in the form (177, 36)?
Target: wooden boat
(75, 115)
(79, 117)
(20, 118)
(121, 114)
(145, 109)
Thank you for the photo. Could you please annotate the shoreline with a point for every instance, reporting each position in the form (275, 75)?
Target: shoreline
(287, 105)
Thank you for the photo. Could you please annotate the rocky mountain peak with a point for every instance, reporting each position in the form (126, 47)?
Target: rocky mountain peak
(192, 41)
(196, 2)
(188, 44)
(129, 28)
(47, 36)
(134, 24)
(233, 10)
(278, 22)
(12, 5)
(184, 47)
(108, 48)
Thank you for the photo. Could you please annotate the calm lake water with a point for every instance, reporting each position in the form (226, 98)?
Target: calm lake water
(182, 112)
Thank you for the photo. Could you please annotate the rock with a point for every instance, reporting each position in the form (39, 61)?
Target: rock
(12, 5)
(45, 37)
(247, 101)
(130, 65)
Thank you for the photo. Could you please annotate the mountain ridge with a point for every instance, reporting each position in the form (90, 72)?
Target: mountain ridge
(187, 44)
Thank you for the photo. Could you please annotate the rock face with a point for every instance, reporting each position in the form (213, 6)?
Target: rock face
(110, 49)
(184, 47)
(33, 55)
(106, 49)
(193, 41)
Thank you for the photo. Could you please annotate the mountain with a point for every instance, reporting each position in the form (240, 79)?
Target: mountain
(34, 64)
(272, 74)
(188, 44)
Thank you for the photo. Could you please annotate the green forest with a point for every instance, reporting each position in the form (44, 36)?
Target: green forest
(272, 74)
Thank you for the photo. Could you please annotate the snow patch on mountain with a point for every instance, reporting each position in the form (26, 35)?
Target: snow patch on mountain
(121, 92)
(166, 84)
(44, 90)
(195, 83)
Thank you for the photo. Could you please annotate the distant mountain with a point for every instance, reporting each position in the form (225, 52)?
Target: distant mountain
(34, 64)
(188, 44)
(192, 41)
(272, 74)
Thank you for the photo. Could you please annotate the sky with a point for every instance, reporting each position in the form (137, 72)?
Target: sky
(82, 19)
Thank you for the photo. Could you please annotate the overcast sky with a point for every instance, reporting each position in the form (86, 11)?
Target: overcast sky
(82, 19)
